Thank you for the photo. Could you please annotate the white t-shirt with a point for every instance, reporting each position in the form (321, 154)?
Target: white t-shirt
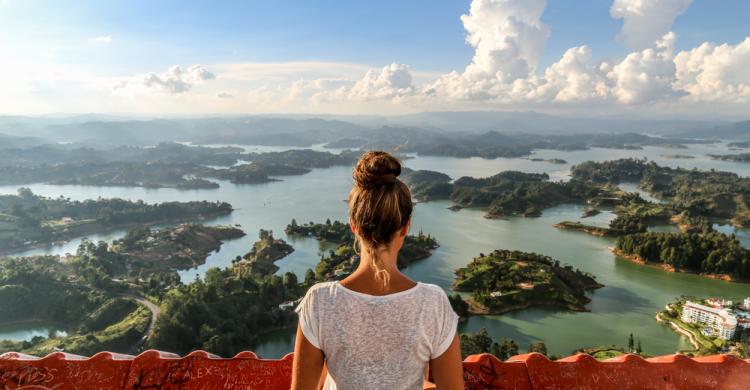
(377, 342)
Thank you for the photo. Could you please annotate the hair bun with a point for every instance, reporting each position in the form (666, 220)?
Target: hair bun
(375, 169)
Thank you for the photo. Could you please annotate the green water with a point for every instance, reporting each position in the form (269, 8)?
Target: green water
(626, 305)
(25, 331)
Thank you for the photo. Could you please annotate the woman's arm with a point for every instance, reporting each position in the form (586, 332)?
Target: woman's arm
(447, 369)
(308, 364)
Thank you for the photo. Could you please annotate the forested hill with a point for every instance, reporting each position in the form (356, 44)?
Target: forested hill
(710, 253)
(713, 194)
(28, 219)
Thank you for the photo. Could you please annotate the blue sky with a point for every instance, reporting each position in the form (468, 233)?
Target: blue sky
(119, 42)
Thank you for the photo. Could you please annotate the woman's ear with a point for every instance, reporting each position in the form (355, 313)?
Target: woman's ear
(351, 226)
(405, 230)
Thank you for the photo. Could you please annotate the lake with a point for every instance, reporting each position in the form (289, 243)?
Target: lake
(632, 296)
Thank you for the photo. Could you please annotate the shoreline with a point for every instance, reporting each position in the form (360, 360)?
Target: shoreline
(679, 330)
(478, 309)
(641, 261)
(591, 230)
(97, 229)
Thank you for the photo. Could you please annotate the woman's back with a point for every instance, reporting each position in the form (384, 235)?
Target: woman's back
(377, 341)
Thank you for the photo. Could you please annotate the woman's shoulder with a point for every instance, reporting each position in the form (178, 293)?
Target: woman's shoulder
(433, 290)
(321, 288)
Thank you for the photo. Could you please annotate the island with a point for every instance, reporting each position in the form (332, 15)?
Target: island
(179, 247)
(28, 220)
(506, 280)
(508, 193)
(621, 225)
(709, 253)
(678, 156)
(343, 260)
(740, 157)
(549, 160)
(260, 260)
(590, 212)
(714, 194)
(167, 165)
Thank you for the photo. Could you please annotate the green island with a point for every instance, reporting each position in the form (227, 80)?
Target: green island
(494, 144)
(590, 212)
(740, 157)
(176, 248)
(508, 193)
(620, 225)
(704, 337)
(558, 161)
(342, 261)
(28, 220)
(260, 260)
(678, 156)
(505, 280)
(708, 253)
(714, 194)
(167, 165)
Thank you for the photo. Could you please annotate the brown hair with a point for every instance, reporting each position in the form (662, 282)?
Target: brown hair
(379, 204)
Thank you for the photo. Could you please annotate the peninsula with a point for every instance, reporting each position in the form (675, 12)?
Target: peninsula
(260, 260)
(28, 220)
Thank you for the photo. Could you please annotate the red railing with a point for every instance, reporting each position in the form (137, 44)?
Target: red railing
(201, 370)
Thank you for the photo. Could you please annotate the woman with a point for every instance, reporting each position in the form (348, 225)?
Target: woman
(377, 329)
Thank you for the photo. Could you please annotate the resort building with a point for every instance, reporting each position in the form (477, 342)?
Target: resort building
(746, 303)
(721, 322)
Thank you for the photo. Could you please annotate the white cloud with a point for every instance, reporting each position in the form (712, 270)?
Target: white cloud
(646, 75)
(177, 80)
(645, 21)
(713, 72)
(573, 79)
(392, 81)
(104, 40)
(507, 35)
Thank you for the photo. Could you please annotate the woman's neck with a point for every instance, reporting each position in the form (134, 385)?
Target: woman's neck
(363, 279)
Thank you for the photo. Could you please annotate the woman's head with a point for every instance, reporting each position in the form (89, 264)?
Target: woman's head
(379, 205)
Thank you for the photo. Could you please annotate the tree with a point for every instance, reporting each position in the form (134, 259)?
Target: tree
(508, 348)
(459, 305)
(631, 343)
(290, 281)
(309, 278)
(638, 348)
(539, 347)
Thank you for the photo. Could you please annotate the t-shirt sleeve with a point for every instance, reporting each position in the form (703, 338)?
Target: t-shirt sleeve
(447, 323)
(308, 313)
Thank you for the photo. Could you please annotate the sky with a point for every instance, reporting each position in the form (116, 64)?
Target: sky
(650, 58)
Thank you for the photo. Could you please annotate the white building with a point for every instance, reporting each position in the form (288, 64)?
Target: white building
(722, 322)
(746, 303)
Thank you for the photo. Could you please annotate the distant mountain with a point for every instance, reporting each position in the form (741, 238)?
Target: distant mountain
(10, 141)
(538, 123)
(732, 131)
(305, 130)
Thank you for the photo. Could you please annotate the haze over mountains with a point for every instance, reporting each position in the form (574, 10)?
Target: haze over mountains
(305, 130)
